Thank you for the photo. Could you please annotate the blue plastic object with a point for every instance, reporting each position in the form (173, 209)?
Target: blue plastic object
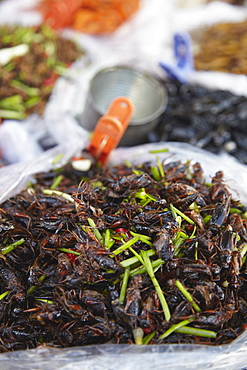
(183, 56)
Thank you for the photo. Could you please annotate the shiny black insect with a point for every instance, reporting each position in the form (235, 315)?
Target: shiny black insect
(210, 119)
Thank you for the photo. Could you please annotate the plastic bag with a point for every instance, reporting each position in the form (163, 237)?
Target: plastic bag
(13, 178)
(130, 357)
(233, 356)
(16, 143)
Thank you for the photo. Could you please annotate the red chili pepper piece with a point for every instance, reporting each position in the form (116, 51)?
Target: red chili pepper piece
(49, 81)
(71, 256)
(189, 228)
(147, 330)
(121, 230)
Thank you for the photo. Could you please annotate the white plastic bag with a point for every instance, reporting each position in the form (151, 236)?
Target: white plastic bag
(127, 357)
(131, 357)
(16, 143)
(14, 177)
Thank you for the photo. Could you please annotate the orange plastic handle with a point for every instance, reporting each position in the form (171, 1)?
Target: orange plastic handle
(110, 129)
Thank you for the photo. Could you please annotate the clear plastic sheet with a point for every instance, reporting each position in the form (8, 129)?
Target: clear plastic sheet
(14, 178)
(16, 142)
(122, 357)
(21, 12)
(128, 357)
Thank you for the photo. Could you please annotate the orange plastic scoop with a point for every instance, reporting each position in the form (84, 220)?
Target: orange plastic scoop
(110, 129)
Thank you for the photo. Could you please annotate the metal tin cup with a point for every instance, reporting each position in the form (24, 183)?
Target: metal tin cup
(147, 94)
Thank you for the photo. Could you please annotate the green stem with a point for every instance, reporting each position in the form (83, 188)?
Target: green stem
(59, 193)
(143, 238)
(187, 295)
(158, 151)
(132, 260)
(31, 91)
(243, 251)
(160, 168)
(177, 211)
(31, 102)
(44, 300)
(142, 269)
(57, 158)
(207, 218)
(175, 327)
(195, 331)
(136, 255)
(193, 233)
(56, 182)
(12, 246)
(34, 287)
(13, 102)
(124, 285)
(196, 251)
(11, 114)
(150, 271)
(67, 250)
(155, 173)
(138, 335)
(148, 337)
(96, 232)
(108, 241)
(3, 295)
(126, 245)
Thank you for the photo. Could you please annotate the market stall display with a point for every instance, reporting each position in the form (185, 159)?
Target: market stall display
(222, 47)
(142, 263)
(211, 119)
(90, 16)
(31, 60)
(136, 254)
(124, 355)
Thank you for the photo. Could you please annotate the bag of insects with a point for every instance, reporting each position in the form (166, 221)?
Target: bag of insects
(135, 263)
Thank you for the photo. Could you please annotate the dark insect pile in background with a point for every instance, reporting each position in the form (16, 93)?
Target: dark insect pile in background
(214, 120)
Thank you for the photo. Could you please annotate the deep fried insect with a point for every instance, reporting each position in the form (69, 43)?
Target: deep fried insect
(221, 212)
(133, 298)
(163, 245)
(12, 280)
(108, 256)
(183, 195)
(218, 317)
(149, 314)
(122, 187)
